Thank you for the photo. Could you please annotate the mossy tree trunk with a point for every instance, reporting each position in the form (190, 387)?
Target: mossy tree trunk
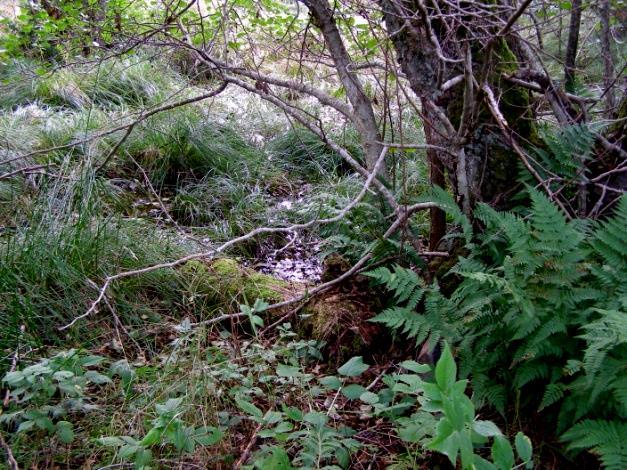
(446, 67)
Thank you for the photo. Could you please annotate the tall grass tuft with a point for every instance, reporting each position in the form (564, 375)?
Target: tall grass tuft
(304, 155)
(47, 263)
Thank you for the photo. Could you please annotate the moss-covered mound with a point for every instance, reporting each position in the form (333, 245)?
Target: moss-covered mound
(225, 282)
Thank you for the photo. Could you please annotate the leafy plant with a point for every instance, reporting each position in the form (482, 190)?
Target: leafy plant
(458, 430)
(167, 428)
(54, 388)
(539, 314)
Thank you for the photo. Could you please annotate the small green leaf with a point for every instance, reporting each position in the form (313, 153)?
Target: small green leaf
(524, 448)
(354, 367)
(65, 431)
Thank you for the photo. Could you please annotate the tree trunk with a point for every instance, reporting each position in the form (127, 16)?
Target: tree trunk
(608, 61)
(484, 167)
(436, 178)
(364, 117)
(571, 47)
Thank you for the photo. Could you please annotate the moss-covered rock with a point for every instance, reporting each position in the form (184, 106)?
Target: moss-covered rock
(224, 282)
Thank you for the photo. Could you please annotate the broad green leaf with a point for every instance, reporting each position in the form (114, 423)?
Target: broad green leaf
(278, 460)
(354, 367)
(353, 391)
(369, 397)
(272, 417)
(283, 370)
(293, 413)
(88, 361)
(316, 418)
(482, 464)
(207, 435)
(65, 431)
(524, 448)
(486, 428)
(446, 441)
(128, 451)
(43, 422)
(25, 426)
(97, 378)
(502, 453)
(169, 406)
(446, 370)
(153, 437)
(110, 441)
(415, 367)
(283, 427)
(330, 382)
(142, 457)
(249, 408)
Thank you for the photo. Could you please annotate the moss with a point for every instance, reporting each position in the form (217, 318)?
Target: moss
(224, 281)
(340, 319)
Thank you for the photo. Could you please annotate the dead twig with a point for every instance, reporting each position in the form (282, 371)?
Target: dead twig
(249, 447)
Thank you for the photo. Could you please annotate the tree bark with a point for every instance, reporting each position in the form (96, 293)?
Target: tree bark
(608, 61)
(364, 117)
(572, 46)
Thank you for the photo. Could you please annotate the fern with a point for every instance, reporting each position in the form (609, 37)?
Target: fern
(539, 315)
(406, 321)
(608, 439)
(563, 154)
(406, 285)
(446, 202)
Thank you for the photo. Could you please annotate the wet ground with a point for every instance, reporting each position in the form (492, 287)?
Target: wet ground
(296, 261)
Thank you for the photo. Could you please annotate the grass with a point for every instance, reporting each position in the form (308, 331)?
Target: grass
(302, 154)
(63, 231)
(66, 241)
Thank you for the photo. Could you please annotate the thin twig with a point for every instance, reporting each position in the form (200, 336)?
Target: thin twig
(249, 447)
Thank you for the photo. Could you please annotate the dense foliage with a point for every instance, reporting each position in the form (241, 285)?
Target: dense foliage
(312, 234)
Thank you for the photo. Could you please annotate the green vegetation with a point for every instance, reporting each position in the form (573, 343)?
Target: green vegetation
(182, 187)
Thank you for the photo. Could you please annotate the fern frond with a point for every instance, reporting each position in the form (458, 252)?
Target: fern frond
(607, 439)
(602, 335)
(552, 394)
(446, 202)
(406, 321)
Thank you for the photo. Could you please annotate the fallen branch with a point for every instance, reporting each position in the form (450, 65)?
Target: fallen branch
(7, 450)
(210, 253)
